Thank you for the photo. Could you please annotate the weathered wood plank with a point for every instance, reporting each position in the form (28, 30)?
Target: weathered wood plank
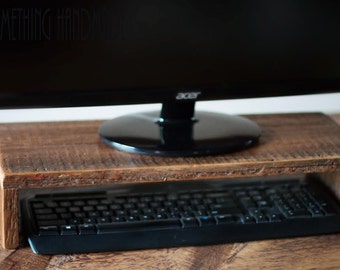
(23, 259)
(71, 153)
(319, 252)
(9, 218)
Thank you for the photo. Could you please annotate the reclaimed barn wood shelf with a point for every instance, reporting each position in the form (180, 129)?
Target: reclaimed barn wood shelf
(64, 154)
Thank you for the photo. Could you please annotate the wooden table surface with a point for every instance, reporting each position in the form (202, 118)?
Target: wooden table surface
(321, 252)
(318, 252)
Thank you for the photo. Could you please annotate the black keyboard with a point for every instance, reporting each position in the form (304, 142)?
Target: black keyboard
(170, 214)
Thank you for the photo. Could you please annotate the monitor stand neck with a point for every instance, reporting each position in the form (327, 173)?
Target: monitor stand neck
(178, 131)
(176, 125)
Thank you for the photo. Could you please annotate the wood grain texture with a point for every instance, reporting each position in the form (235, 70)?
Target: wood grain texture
(71, 153)
(9, 217)
(319, 252)
(23, 259)
(336, 118)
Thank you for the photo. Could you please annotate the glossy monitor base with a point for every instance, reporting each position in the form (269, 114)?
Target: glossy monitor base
(206, 134)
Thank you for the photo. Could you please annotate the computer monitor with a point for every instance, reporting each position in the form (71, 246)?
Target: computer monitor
(174, 52)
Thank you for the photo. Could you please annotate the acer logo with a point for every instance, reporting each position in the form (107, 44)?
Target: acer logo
(187, 95)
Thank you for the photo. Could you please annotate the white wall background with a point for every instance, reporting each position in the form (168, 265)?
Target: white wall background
(326, 103)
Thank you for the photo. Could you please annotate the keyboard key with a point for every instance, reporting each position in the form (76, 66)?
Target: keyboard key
(65, 203)
(93, 214)
(74, 209)
(47, 217)
(297, 214)
(43, 211)
(38, 205)
(247, 219)
(68, 230)
(66, 216)
(74, 221)
(48, 230)
(79, 215)
(86, 229)
(206, 221)
(131, 218)
(102, 207)
(189, 222)
(225, 219)
(140, 225)
(103, 220)
(93, 202)
(61, 210)
(51, 204)
(89, 220)
(261, 218)
(274, 217)
(226, 210)
(160, 216)
(225, 194)
(146, 217)
(79, 203)
(52, 222)
(88, 208)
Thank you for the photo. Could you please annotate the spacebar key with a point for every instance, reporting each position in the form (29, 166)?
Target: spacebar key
(138, 225)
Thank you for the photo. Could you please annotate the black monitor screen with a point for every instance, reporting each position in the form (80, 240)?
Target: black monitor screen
(80, 53)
